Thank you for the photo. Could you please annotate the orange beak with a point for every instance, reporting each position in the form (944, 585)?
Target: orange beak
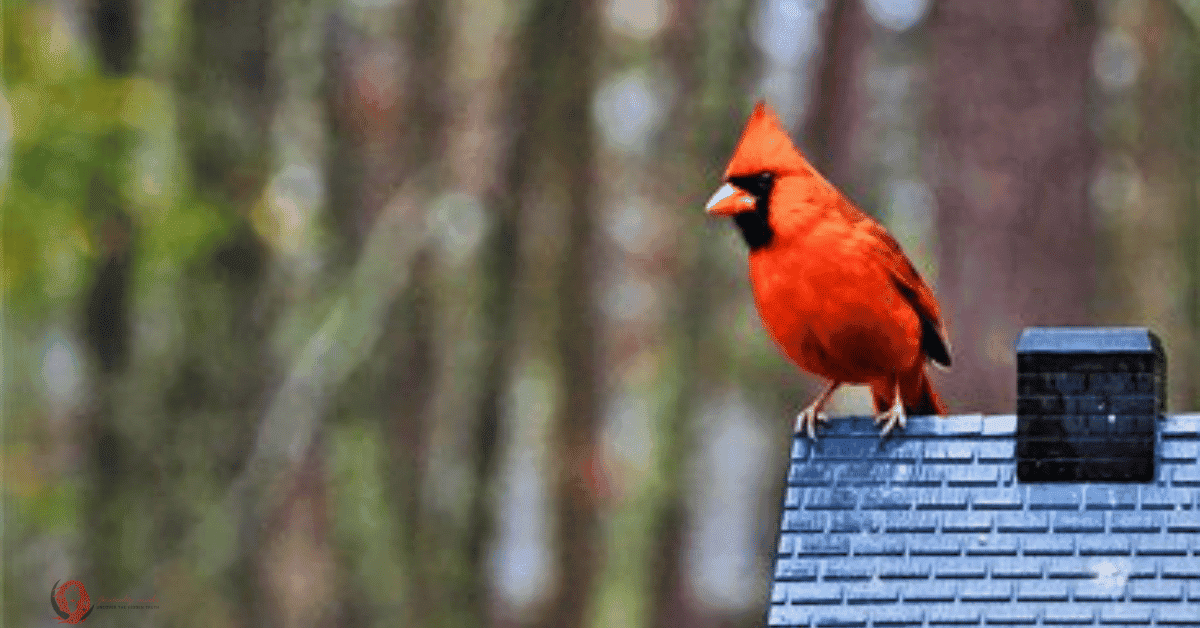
(728, 201)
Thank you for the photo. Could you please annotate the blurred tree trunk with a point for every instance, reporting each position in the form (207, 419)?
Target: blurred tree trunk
(409, 344)
(114, 462)
(713, 80)
(520, 102)
(835, 120)
(291, 540)
(570, 143)
(294, 561)
(1155, 224)
(226, 99)
(1011, 168)
(404, 399)
(173, 425)
(1190, 150)
(386, 95)
(670, 605)
(114, 26)
(345, 112)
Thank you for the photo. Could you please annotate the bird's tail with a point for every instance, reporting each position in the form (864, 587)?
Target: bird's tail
(922, 399)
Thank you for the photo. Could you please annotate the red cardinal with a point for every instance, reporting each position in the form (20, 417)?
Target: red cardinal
(832, 286)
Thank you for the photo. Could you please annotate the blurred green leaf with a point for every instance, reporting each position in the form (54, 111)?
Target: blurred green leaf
(1191, 8)
(54, 508)
(181, 232)
(364, 520)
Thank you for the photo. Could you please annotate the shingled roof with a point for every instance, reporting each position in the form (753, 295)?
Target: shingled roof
(933, 528)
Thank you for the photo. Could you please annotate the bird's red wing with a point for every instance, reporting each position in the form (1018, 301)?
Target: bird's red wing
(913, 288)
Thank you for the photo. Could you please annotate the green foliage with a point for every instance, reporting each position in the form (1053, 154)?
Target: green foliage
(52, 507)
(1191, 8)
(364, 518)
(84, 145)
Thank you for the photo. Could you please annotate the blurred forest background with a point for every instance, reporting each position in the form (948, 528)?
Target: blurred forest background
(407, 313)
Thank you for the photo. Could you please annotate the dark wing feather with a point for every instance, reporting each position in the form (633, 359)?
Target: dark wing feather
(914, 289)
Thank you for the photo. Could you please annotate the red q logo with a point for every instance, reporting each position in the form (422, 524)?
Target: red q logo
(58, 601)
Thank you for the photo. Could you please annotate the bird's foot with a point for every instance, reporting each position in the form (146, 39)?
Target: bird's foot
(890, 418)
(807, 420)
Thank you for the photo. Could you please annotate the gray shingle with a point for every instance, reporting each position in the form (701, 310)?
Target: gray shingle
(1183, 522)
(996, 450)
(840, 618)
(986, 591)
(830, 499)
(932, 528)
(1023, 521)
(789, 615)
(848, 570)
(1042, 591)
(1176, 616)
(1162, 498)
(1181, 567)
(855, 521)
(1054, 497)
(931, 545)
(967, 568)
(1186, 475)
(904, 568)
(1013, 567)
(798, 521)
(997, 499)
(1011, 615)
(1179, 451)
(991, 545)
(1156, 591)
(886, 499)
(1125, 614)
(1047, 545)
(812, 593)
(824, 545)
(1127, 522)
(1095, 590)
(1102, 497)
(1104, 545)
(1066, 568)
(898, 616)
(947, 615)
(949, 451)
(1068, 614)
(942, 499)
(878, 545)
(872, 593)
(967, 522)
(1069, 521)
(907, 522)
(1160, 544)
(795, 569)
(930, 591)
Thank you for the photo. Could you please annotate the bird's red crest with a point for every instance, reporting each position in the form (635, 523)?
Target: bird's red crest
(765, 147)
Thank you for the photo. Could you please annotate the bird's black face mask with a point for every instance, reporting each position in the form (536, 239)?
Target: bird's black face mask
(755, 229)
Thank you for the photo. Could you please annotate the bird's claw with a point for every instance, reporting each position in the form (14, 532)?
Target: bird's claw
(891, 418)
(807, 420)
